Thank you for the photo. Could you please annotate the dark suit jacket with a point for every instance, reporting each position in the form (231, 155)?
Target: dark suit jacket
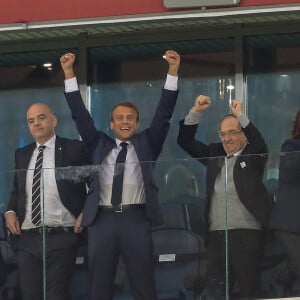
(248, 169)
(286, 211)
(72, 192)
(147, 143)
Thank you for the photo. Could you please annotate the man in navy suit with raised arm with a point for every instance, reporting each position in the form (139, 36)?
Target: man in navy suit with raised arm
(122, 229)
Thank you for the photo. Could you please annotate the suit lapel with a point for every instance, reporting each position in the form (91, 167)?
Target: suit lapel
(26, 156)
(24, 164)
(137, 148)
(104, 146)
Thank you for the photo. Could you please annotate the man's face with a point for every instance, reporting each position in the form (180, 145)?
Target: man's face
(41, 122)
(124, 122)
(231, 135)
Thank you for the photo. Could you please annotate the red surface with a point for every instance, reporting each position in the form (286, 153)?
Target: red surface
(15, 11)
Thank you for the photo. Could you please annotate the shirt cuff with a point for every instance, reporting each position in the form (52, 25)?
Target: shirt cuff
(244, 121)
(71, 85)
(192, 118)
(10, 211)
(171, 83)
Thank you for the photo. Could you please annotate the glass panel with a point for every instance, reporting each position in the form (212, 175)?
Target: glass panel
(283, 258)
(8, 259)
(272, 76)
(178, 247)
(185, 257)
(248, 205)
(179, 178)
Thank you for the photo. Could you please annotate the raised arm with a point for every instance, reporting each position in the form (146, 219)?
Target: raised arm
(67, 63)
(188, 127)
(173, 59)
(160, 124)
(252, 134)
(83, 120)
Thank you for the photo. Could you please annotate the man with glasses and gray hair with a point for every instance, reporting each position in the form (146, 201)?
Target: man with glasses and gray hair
(237, 202)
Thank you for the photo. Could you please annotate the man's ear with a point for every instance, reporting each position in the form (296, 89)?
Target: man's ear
(111, 125)
(54, 121)
(137, 126)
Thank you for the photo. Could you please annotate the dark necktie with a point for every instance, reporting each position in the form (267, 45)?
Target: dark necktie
(36, 188)
(117, 186)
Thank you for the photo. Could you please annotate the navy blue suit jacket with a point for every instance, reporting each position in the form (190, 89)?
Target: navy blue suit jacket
(147, 144)
(285, 213)
(72, 193)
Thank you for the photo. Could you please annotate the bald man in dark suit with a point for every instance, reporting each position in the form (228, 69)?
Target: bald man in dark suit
(58, 213)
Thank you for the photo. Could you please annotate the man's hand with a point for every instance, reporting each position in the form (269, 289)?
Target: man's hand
(77, 227)
(236, 107)
(12, 223)
(202, 103)
(67, 62)
(173, 59)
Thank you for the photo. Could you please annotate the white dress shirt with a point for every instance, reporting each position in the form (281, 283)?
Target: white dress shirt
(54, 212)
(133, 184)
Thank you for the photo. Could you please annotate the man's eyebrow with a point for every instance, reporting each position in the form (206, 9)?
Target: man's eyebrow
(41, 115)
(125, 115)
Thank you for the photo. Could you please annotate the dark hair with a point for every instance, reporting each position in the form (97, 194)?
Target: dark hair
(296, 127)
(126, 104)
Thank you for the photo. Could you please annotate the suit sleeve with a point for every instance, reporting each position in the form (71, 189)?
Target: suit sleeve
(82, 118)
(14, 195)
(186, 140)
(255, 139)
(289, 170)
(160, 124)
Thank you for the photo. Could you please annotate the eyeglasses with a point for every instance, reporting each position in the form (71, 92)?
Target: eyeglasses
(230, 133)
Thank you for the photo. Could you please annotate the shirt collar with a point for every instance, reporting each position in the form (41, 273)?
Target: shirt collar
(118, 142)
(237, 153)
(50, 143)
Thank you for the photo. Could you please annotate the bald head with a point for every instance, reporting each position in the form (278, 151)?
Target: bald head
(41, 106)
(41, 122)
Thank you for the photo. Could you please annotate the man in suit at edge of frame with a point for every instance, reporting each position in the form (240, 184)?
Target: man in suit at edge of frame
(58, 214)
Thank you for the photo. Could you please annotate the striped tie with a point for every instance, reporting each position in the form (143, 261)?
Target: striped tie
(36, 188)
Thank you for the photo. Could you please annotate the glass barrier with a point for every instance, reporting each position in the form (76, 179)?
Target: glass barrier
(229, 232)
